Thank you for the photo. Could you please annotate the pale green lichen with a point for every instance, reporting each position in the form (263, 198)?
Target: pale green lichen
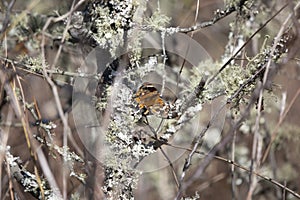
(287, 133)
(157, 22)
(111, 21)
(102, 102)
(195, 197)
(70, 158)
(204, 70)
(34, 64)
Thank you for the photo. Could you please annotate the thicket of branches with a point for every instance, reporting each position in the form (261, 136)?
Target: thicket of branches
(149, 99)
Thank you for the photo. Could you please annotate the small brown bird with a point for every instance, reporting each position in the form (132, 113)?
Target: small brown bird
(152, 102)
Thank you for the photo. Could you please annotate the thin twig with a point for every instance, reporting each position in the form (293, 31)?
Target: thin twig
(219, 15)
(256, 149)
(29, 69)
(66, 131)
(63, 36)
(244, 45)
(9, 87)
(282, 186)
(233, 188)
(276, 128)
(171, 166)
(225, 141)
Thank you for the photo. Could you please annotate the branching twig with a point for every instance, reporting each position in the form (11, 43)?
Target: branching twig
(256, 148)
(244, 45)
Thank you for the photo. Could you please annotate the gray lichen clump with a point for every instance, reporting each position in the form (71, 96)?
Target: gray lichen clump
(104, 23)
